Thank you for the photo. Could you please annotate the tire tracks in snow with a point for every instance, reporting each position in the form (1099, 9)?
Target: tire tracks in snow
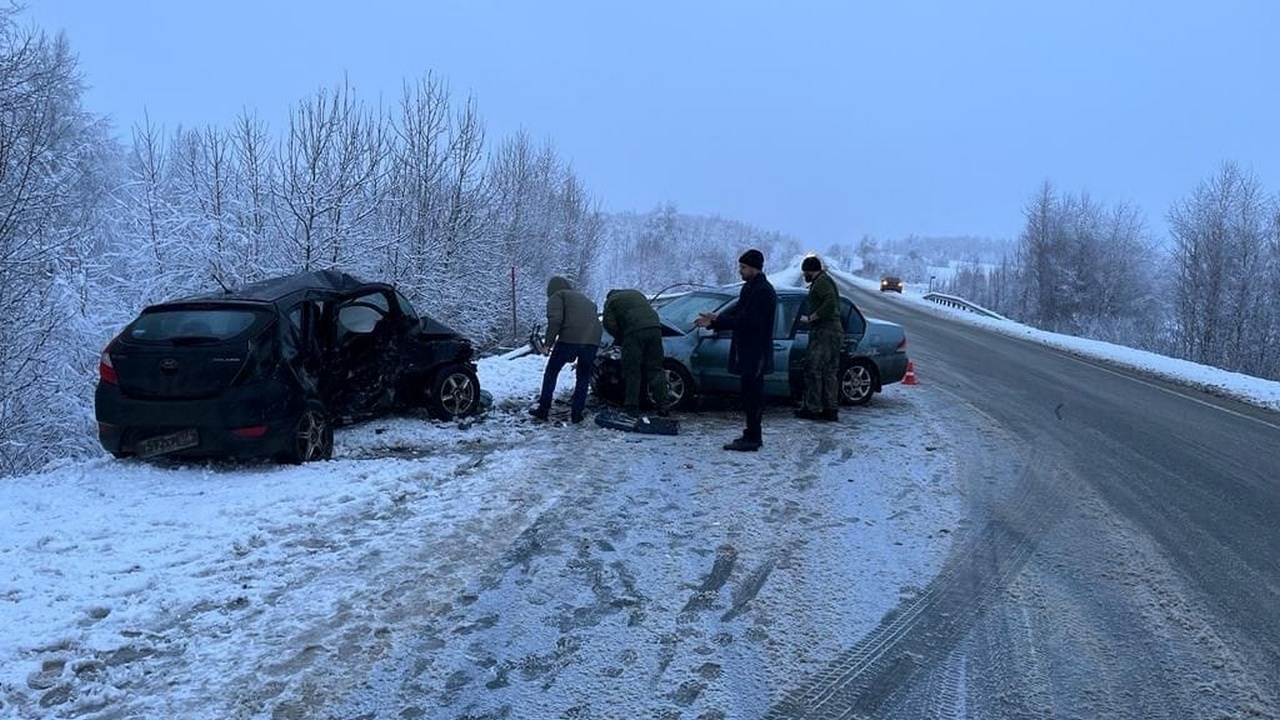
(923, 631)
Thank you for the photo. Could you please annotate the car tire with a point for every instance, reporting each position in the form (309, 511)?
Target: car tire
(311, 436)
(679, 386)
(453, 391)
(857, 383)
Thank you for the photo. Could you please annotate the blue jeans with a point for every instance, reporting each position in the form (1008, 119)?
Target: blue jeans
(561, 354)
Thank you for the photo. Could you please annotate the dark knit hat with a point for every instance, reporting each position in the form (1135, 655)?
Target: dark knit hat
(754, 258)
(811, 264)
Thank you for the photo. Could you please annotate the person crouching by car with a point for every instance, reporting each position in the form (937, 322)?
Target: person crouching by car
(751, 348)
(573, 335)
(826, 335)
(631, 320)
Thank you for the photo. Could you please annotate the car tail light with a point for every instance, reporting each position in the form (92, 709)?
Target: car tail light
(107, 371)
(902, 344)
(253, 431)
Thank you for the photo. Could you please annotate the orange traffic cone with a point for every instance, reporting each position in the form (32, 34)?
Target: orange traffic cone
(910, 377)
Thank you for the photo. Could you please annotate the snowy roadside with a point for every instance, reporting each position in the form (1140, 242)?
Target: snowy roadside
(129, 589)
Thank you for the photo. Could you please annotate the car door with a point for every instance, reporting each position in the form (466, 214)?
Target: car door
(855, 325)
(778, 382)
(709, 361)
(304, 346)
(363, 351)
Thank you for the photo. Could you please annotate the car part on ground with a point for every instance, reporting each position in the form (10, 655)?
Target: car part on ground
(642, 423)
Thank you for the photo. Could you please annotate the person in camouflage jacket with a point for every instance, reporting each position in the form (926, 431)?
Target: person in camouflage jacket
(631, 320)
(826, 336)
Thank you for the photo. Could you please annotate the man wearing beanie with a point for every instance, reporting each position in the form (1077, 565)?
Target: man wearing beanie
(751, 348)
(826, 335)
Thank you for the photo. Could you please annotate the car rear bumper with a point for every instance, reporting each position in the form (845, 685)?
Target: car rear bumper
(264, 415)
(893, 368)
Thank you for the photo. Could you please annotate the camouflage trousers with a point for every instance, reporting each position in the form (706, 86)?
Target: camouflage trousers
(822, 370)
(642, 357)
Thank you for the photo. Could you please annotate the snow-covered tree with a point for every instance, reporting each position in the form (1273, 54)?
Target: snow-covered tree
(1080, 265)
(330, 169)
(1224, 235)
(53, 158)
(665, 248)
(253, 202)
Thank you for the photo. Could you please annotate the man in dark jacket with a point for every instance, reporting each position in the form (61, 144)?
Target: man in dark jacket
(573, 334)
(751, 348)
(826, 335)
(631, 320)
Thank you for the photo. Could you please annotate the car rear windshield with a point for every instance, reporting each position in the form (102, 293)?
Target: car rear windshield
(194, 324)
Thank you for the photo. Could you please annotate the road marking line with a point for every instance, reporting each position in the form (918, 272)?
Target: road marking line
(1163, 389)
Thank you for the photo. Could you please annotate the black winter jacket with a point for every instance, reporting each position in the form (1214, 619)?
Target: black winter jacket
(751, 320)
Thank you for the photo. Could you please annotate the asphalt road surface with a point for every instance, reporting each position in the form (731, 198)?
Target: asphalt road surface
(1123, 562)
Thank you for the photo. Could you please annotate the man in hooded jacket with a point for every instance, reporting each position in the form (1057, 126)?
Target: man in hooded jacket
(751, 348)
(573, 335)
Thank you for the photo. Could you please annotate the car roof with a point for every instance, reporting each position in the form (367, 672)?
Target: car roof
(733, 289)
(323, 280)
(320, 282)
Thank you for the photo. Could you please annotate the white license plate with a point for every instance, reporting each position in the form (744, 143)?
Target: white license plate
(169, 443)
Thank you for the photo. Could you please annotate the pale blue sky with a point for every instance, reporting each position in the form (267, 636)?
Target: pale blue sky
(824, 120)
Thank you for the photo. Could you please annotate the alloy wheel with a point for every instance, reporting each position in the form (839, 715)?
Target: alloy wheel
(457, 394)
(855, 384)
(311, 436)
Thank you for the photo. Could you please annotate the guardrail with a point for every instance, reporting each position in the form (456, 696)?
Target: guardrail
(955, 301)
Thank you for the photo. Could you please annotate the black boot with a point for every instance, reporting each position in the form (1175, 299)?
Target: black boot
(743, 445)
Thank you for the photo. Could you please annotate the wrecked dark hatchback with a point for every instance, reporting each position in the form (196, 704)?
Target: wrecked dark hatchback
(268, 370)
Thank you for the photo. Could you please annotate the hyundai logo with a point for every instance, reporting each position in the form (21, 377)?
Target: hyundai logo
(169, 365)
